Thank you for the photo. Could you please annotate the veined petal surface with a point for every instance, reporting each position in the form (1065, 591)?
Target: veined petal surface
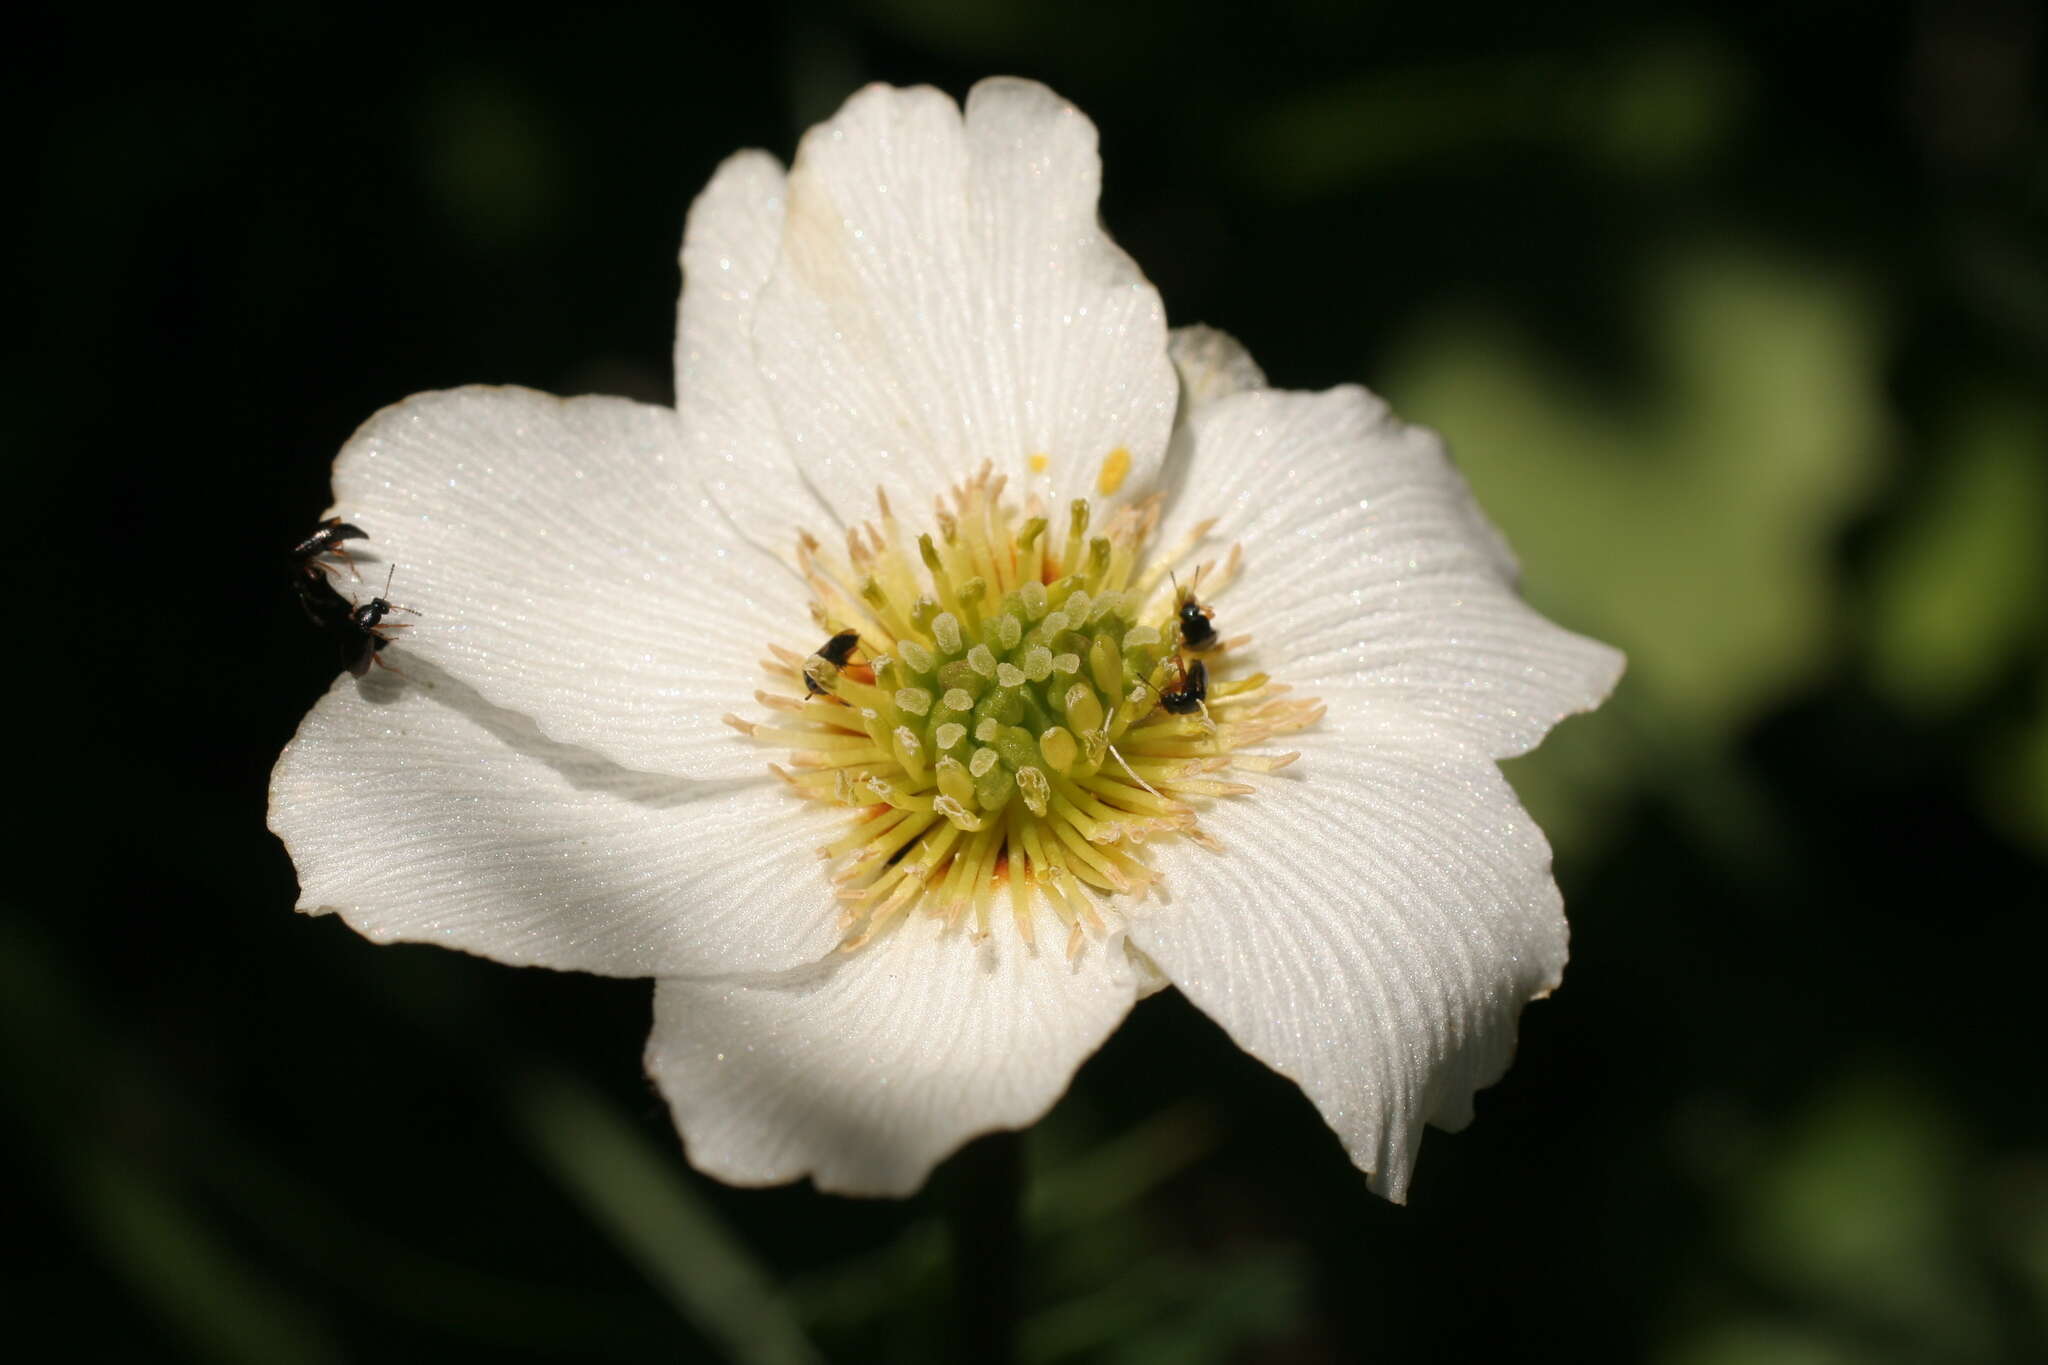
(1378, 916)
(1371, 576)
(420, 813)
(867, 1071)
(564, 563)
(946, 295)
(928, 290)
(736, 448)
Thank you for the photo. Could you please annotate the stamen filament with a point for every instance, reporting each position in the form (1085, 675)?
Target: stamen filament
(1011, 710)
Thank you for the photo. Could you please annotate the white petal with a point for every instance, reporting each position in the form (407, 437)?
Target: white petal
(1375, 922)
(736, 445)
(864, 1074)
(947, 296)
(1212, 365)
(561, 563)
(1370, 574)
(421, 814)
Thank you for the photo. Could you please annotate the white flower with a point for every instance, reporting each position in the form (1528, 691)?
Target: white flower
(1023, 841)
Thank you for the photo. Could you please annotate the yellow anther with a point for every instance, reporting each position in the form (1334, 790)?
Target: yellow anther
(1116, 467)
(1058, 746)
(1001, 725)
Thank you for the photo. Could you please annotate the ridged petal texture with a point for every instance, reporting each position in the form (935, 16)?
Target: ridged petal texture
(867, 1071)
(947, 296)
(421, 813)
(736, 451)
(1372, 579)
(1378, 916)
(564, 563)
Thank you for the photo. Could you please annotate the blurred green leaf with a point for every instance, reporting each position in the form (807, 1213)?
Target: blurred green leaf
(55, 1068)
(1110, 1176)
(912, 1268)
(1646, 106)
(1859, 1205)
(2017, 1197)
(1761, 1342)
(1163, 1310)
(1111, 1284)
(1572, 784)
(173, 1261)
(2017, 774)
(1852, 1225)
(1692, 524)
(642, 1199)
(1118, 1292)
(1964, 582)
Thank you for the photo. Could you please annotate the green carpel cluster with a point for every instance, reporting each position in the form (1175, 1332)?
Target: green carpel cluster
(995, 706)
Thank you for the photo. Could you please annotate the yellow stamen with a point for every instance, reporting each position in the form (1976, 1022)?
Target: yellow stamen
(1001, 721)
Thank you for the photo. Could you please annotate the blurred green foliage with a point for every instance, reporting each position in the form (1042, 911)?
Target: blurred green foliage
(1962, 586)
(1737, 319)
(1638, 109)
(1690, 519)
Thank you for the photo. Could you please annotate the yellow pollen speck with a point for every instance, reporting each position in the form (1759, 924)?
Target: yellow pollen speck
(1038, 463)
(1116, 467)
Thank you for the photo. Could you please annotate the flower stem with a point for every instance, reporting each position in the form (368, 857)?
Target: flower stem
(985, 1222)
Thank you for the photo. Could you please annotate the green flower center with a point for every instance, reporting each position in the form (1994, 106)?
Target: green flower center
(1015, 718)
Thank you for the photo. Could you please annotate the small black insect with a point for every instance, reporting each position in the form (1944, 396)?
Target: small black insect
(356, 629)
(368, 620)
(1196, 629)
(1194, 619)
(1189, 694)
(835, 651)
(323, 606)
(326, 540)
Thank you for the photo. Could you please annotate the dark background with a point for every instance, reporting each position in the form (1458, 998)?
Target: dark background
(1737, 317)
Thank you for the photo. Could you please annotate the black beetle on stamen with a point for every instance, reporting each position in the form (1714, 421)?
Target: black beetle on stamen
(1189, 693)
(1196, 631)
(835, 651)
(1194, 619)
